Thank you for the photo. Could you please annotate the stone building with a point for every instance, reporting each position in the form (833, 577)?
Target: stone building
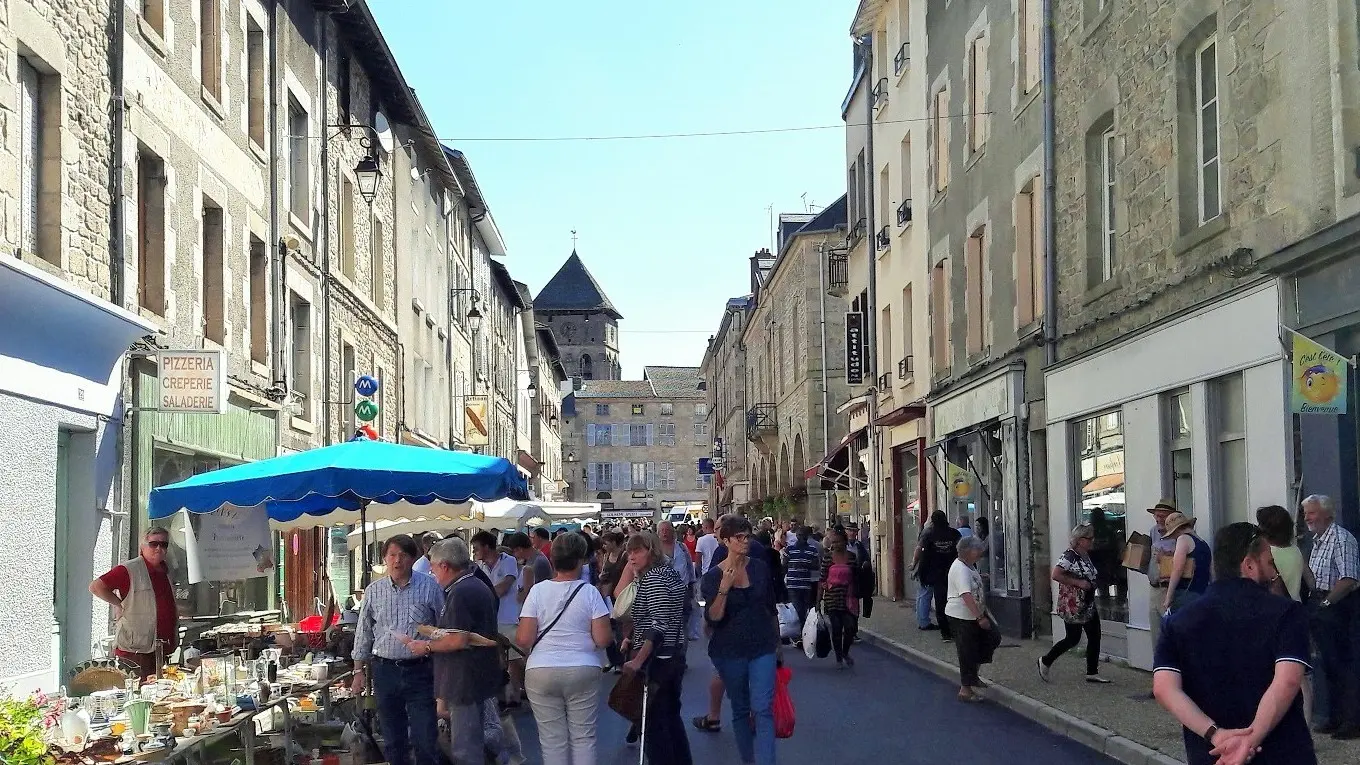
(790, 385)
(504, 358)
(62, 351)
(635, 445)
(724, 373)
(1198, 142)
(573, 305)
(549, 378)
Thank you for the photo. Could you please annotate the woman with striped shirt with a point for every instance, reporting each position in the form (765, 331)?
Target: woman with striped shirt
(658, 644)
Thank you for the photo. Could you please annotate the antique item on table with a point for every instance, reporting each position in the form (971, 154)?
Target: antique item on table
(101, 675)
(74, 726)
(139, 715)
(434, 633)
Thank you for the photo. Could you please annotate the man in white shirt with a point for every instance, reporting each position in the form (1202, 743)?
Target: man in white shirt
(706, 546)
(427, 543)
(503, 570)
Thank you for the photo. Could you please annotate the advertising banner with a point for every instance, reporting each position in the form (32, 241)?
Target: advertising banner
(230, 544)
(476, 421)
(1319, 378)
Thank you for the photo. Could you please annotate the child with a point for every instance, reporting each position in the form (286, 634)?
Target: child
(840, 604)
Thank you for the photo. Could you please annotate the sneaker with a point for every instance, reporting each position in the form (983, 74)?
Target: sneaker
(1097, 679)
(929, 627)
(634, 733)
(1044, 670)
(849, 662)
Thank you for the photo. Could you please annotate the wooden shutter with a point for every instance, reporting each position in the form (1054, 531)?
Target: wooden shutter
(651, 476)
(651, 434)
(623, 476)
(591, 483)
(984, 88)
(590, 435)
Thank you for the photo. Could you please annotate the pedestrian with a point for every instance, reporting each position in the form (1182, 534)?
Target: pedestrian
(740, 597)
(503, 571)
(143, 601)
(1334, 615)
(562, 626)
(965, 526)
(925, 597)
(1162, 547)
(1278, 527)
(866, 583)
(657, 647)
(1190, 564)
(1075, 574)
(427, 542)
(678, 558)
(839, 603)
(801, 569)
(403, 680)
(542, 540)
(612, 561)
(976, 637)
(467, 676)
(706, 546)
(1229, 665)
(936, 553)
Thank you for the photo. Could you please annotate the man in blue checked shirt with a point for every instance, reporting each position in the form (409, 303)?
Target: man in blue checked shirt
(403, 682)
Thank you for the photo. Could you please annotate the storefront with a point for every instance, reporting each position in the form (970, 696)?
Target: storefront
(905, 479)
(977, 473)
(1191, 409)
(61, 368)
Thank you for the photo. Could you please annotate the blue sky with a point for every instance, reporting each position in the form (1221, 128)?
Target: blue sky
(666, 226)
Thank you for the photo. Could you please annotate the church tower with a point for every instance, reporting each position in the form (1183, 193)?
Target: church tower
(583, 321)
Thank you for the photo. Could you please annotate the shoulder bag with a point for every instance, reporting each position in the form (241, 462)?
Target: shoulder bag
(623, 602)
(558, 618)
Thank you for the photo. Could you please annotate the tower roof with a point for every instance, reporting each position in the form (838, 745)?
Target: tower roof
(572, 288)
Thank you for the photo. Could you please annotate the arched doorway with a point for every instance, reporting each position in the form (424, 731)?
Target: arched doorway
(785, 472)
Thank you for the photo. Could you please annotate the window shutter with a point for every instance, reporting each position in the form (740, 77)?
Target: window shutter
(591, 483)
(651, 434)
(623, 477)
(590, 435)
(651, 476)
(984, 88)
(30, 130)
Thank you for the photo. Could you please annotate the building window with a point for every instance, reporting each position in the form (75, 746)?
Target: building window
(940, 162)
(1231, 421)
(1031, 26)
(348, 373)
(210, 47)
(346, 224)
(212, 286)
(978, 119)
(587, 368)
(376, 245)
(702, 481)
(976, 303)
(40, 162)
(637, 435)
(885, 331)
(701, 434)
(1180, 465)
(1206, 130)
(639, 476)
(298, 166)
(1098, 451)
(345, 87)
(941, 350)
(667, 437)
(906, 370)
(666, 477)
(259, 301)
(602, 410)
(153, 13)
(668, 409)
(700, 411)
(150, 232)
(639, 410)
(1029, 253)
(300, 319)
(255, 82)
(604, 435)
(1107, 230)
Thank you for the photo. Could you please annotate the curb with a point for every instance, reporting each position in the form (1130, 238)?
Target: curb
(1092, 736)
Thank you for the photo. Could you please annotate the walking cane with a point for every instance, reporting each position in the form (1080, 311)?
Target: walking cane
(642, 740)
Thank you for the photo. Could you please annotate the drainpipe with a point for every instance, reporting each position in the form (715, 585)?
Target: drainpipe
(324, 235)
(826, 413)
(1049, 76)
(277, 252)
(117, 288)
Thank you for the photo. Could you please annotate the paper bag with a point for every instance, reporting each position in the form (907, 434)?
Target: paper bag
(1137, 552)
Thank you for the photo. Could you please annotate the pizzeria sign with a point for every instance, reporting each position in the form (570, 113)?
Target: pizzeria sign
(191, 382)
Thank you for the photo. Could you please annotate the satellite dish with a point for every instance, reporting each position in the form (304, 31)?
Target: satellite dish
(384, 131)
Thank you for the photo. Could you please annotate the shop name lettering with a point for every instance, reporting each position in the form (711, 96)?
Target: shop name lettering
(1313, 357)
(1305, 408)
(188, 382)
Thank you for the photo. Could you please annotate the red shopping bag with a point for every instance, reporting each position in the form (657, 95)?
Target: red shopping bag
(784, 716)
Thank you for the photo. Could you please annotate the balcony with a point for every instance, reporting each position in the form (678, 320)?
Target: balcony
(905, 368)
(883, 240)
(762, 424)
(884, 384)
(838, 274)
(901, 59)
(879, 96)
(857, 233)
(904, 212)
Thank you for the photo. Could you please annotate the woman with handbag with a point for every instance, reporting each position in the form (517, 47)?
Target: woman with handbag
(657, 648)
(563, 624)
(975, 636)
(740, 608)
(1075, 574)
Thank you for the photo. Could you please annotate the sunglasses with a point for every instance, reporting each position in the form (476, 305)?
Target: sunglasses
(159, 545)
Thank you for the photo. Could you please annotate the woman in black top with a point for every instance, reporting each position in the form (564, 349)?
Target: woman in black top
(740, 607)
(939, 548)
(658, 645)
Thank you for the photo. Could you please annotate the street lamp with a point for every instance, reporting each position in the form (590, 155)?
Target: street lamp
(474, 318)
(532, 390)
(367, 172)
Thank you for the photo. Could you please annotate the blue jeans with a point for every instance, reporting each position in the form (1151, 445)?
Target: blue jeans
(924, 599)
(750, 686)
(405, 695)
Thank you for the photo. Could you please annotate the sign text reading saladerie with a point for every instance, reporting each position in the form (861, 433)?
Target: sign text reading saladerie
(192, 381)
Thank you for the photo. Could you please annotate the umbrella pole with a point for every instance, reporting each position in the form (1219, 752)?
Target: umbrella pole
(363, 540)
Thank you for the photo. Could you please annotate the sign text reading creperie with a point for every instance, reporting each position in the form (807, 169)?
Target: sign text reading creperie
(191, 381)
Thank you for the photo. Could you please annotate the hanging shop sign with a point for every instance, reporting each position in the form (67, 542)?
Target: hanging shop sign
(191, 382)
(476, 422)
(367, 386)
(1318, 382)
(854, 348)
(365, 410)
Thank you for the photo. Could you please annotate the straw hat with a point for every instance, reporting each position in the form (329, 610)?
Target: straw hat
(1175, 522)
(1163, 505)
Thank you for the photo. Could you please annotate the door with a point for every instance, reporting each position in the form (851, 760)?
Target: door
(60, 592)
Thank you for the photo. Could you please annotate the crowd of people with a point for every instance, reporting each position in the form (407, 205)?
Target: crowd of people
(519, 617)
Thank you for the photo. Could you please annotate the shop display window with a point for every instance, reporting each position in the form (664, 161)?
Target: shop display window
(1099, 486)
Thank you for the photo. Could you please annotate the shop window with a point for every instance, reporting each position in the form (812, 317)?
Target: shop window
(1098, 448)
(1231, 422)
(1179, 472)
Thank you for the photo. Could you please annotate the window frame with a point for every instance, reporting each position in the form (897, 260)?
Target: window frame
(1201, 107)
(1108, 245)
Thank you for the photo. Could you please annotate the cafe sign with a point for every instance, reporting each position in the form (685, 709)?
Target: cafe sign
(191, 382)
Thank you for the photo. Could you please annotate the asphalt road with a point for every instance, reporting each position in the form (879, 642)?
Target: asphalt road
(882, 711)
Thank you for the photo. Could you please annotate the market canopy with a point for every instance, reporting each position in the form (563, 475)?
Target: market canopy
(501, 514)
(335, 484)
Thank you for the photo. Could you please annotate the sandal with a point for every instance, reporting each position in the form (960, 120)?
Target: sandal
(707, 724)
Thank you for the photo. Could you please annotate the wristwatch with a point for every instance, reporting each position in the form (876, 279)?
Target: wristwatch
(1209, 734)
(1326, 603)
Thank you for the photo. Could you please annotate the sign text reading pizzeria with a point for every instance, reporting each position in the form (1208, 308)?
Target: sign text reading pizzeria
(191, 381)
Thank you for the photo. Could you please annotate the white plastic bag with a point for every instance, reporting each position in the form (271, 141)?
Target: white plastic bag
(810, 627)
(789, 628)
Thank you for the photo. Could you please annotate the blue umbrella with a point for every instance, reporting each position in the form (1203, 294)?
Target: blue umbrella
(345, 476)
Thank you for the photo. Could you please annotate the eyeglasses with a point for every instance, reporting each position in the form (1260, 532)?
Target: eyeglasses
(158, 544)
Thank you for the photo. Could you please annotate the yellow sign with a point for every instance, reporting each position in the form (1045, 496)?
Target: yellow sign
(476, 422)
(960, 480)
(1318, 381)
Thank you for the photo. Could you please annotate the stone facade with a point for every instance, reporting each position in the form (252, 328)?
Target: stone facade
(724, 372)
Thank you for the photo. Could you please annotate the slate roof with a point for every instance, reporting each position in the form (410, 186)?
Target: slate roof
(573, 288)
(674, 382)
(835, 214)
(522, 290)
(507, 285)
(615, 389)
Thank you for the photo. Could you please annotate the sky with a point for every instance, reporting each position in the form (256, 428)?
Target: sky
(667, 226)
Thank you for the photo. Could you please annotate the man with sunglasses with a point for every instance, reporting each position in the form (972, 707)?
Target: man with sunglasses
(143, 601)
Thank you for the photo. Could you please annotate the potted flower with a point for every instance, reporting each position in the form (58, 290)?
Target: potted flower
(23, 734)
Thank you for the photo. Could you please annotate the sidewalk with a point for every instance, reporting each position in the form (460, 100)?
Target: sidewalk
(1121, 720)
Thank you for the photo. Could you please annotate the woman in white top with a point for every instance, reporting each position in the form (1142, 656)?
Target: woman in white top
(966, 609)
(563, 625)
(1278, 528)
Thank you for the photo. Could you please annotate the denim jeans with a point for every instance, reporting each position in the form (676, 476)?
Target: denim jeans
(750, 686)
(924, 600)
(405, 696)
(566, 703)
(667, 742)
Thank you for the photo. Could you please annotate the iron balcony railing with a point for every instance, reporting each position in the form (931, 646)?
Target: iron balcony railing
(879, 96)
(905, 368)
(904, 212)
(901, 59)
(838, 273)
(760, 420)
(857, 232)
(884, 382)
(884, 239)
